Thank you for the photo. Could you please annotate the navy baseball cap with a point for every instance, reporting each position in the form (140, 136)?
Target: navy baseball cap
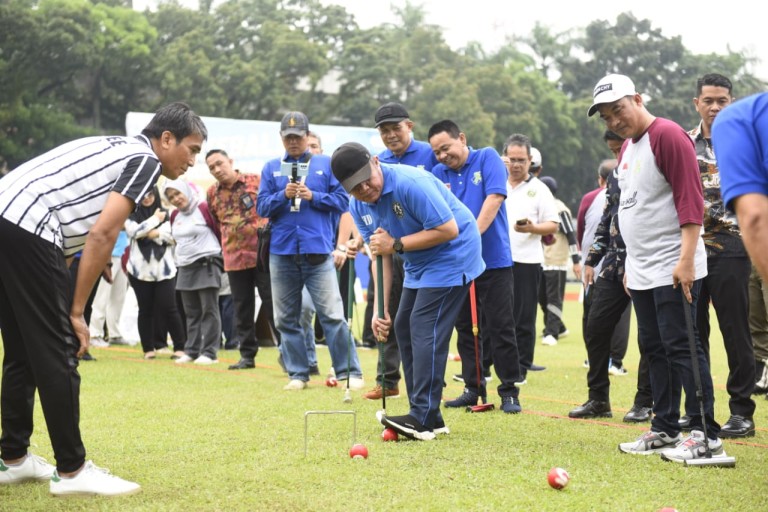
(390, 113)
(351, 164)
(294, 123)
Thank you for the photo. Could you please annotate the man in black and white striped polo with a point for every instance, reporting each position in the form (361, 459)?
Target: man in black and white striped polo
(74, 197)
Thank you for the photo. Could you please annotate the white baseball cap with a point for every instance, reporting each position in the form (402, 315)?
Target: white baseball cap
(535, 158)
(609, 89)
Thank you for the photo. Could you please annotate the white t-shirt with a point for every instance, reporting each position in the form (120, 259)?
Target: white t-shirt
(531, 200)
(591, 221)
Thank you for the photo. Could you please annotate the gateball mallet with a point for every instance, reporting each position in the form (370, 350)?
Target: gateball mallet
(350, 305)
(484, 406)
(708, 460)
(380, 300)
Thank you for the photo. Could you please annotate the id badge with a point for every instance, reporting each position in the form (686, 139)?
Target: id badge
(247, 201)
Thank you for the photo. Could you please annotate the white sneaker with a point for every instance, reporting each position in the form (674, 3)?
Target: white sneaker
(164, 351)
(184, 359)
(295, 385)
(649, 443)
(356, 383)
(205, 360)
(92, 480)
(619, 371)
(693, 447)
(99, 342)
(31, 468)
(521, 383)
(549, 340)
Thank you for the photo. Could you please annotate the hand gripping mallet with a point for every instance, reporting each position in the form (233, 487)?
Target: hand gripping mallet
(350, 305)
(482, 407)
(708, 460)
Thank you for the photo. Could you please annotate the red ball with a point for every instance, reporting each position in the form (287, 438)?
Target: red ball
(558, 478)
(358, 451)
(389, 434)
(331, 382)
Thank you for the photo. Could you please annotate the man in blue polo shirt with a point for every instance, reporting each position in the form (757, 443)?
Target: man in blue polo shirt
(400, 210)
(302, 212)
(478, 178)
(396, 130)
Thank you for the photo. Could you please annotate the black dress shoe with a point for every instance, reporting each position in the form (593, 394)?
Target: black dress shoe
(243, 364)
(638, 414)
(685, 423)
(537, 368)
(592, 409)
(737, 426)
(314, 370)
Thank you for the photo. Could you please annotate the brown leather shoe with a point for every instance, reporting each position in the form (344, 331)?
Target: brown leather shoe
(375, 393)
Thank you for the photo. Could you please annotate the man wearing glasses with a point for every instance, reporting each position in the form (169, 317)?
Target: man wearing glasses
(532, 213)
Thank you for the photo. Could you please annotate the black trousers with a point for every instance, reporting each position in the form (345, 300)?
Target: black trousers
(243, 283)
(620, 337)
(608, 304)
(551, 295)
(525, 290)
(496, 323)
(727, 284)
(40, 348)
(158, 314)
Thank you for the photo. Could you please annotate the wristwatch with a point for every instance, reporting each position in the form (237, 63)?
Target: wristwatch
(398, 246)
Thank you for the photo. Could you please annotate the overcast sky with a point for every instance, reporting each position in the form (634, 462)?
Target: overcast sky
(705, 26)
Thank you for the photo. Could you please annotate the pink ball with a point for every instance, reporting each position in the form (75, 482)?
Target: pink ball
(389, 434)
(558, 478)
(358, 451)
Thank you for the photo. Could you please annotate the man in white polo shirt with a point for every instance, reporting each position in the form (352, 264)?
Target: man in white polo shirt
(532, 212)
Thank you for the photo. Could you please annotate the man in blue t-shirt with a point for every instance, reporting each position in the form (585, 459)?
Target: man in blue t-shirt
(400, 210)
(740, 137)
(478, 178)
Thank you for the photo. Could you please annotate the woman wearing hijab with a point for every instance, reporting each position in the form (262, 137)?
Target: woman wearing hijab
(199, 260)
(152, 273)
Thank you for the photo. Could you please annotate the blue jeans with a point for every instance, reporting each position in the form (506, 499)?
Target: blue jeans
(307, 315)
(663, 337)
(423, 328)
(289, 275)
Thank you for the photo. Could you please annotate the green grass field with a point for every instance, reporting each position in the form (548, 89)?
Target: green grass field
(208, 439)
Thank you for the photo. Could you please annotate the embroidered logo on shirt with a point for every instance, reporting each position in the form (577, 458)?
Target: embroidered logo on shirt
(477, 178)
(397, 209)
(531, 193)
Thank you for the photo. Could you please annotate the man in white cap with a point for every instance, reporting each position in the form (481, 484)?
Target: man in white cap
(661, 212)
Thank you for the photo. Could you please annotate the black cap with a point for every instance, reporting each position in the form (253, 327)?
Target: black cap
(294, 123)
(351, 164)
(390, 113)
(550, 182)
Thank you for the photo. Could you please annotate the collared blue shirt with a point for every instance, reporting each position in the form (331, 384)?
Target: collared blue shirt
(481, 175)
(419, 154)
(413, 201)
(311, 230)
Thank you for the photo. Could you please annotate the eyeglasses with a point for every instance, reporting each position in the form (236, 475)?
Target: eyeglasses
(518, 161)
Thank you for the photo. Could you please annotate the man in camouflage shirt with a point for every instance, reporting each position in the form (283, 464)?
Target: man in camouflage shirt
(728, 269)
(232, 203)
